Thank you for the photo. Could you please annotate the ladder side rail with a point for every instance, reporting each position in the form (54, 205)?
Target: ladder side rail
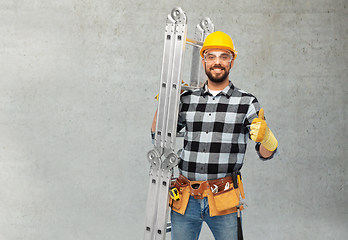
(198, 76)
(196, 68)
(208, 27)
(173, 106)
(196, 63)
(163, 204)
(152, 198)
(163, 199)
(165, 81)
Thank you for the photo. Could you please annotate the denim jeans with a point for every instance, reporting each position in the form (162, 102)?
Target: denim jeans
(188, 226)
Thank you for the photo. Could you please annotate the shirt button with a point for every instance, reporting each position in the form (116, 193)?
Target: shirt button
(209, 114)
(207, 132)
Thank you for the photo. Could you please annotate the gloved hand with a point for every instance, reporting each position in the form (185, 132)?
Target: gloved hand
(261, 133)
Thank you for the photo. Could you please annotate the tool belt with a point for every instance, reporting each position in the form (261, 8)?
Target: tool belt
(223, 194)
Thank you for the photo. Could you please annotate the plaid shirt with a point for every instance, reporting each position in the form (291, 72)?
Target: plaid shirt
(217, 131)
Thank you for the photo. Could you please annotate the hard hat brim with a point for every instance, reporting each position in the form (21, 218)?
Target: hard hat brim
(204, 48)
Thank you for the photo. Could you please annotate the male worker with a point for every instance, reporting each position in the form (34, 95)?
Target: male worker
(218, 120)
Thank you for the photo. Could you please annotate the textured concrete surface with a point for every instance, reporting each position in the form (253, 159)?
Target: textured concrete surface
(77, 86)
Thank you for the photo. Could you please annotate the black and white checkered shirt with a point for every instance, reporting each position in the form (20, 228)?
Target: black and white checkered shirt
(217, 131)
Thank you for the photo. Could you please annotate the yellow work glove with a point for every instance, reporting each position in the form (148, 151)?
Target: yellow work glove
(259, 132)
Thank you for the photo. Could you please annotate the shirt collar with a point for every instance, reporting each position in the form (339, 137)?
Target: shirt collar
(227, 91)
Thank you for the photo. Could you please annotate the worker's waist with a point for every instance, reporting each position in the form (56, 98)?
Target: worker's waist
(200, 189)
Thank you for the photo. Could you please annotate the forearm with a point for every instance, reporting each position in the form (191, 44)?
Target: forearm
(264, 152)
(153, 126)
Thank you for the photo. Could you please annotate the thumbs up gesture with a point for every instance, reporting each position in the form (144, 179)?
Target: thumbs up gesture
(259, 132)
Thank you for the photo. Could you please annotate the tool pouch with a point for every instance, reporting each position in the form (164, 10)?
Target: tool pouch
(225, 201)
(184, 193)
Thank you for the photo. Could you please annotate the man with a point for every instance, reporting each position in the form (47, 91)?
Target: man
(218, 119)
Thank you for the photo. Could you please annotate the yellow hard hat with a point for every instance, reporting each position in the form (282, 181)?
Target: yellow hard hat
(218, 39)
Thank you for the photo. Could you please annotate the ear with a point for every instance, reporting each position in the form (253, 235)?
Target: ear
(203, 62)
(232, 63)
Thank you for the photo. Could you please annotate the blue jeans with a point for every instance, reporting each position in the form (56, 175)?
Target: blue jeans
(188, 226)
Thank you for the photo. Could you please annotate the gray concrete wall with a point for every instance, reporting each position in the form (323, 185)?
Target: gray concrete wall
(77, 87)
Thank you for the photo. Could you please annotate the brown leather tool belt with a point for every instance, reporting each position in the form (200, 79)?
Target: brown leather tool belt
(200, 189)
(223, 198)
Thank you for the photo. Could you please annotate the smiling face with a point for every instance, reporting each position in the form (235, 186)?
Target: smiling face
(217, 64)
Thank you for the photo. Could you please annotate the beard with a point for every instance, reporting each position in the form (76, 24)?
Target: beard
(217, 78)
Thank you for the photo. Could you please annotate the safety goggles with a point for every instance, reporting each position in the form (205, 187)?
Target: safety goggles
(223, 57)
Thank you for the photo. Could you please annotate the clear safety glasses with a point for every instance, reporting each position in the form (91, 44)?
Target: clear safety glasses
(223, 57)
